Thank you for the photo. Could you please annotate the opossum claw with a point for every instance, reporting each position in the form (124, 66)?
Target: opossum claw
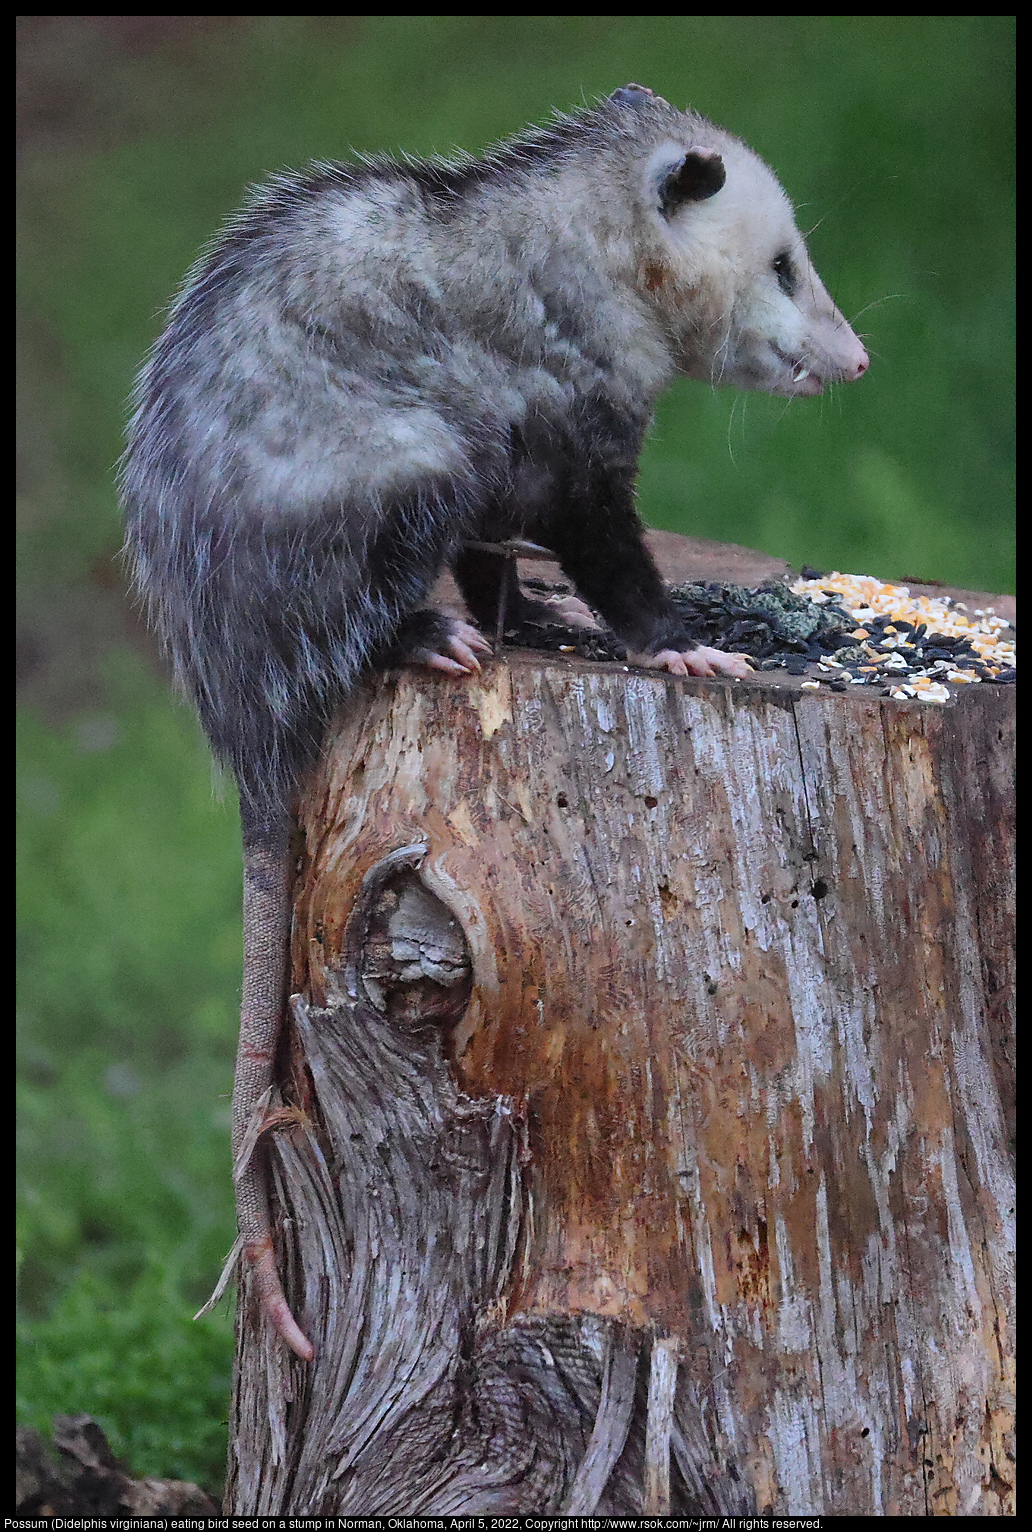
(466, 633)
(464, 654)
(702, 662)
(464, 643)
(444, 662)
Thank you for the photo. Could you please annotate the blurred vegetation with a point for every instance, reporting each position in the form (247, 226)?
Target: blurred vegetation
(137, 136)
(129, 936)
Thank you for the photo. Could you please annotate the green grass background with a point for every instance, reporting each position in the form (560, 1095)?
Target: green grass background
(894, 136)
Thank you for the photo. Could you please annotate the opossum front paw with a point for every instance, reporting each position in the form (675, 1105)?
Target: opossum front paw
(702, 662)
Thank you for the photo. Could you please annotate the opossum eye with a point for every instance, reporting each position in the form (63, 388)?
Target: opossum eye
(784, 270)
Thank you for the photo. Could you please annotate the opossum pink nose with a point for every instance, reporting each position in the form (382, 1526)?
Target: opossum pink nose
(860, 363)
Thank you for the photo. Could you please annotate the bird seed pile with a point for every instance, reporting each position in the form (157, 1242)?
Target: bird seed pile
(909, 646)
(839, 630)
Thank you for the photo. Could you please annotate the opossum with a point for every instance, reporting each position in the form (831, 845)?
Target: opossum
(379, 365)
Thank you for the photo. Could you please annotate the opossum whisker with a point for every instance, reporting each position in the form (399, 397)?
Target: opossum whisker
(730, 422)
(807, 233)
(875, 303)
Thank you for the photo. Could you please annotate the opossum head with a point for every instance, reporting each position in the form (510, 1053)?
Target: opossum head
(728, 272)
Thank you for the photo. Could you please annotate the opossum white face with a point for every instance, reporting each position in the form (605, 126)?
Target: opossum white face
(729, 272)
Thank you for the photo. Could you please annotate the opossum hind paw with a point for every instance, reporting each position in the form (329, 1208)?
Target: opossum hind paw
(702, 662)
(455, 647)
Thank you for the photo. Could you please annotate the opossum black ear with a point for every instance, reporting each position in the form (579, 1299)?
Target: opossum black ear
(632, 95)
(699, 175)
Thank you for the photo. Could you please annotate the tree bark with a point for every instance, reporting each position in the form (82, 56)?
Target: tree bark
(644, 1134)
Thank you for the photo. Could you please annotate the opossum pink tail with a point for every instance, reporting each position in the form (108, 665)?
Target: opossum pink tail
(266, 944)
(273, 1304)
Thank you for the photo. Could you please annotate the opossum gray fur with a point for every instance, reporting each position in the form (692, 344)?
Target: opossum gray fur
(375, 364)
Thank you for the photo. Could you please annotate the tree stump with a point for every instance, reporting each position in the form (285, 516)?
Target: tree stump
(643, 1140)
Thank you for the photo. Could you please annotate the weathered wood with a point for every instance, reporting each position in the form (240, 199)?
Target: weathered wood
(659, 1427)
(733, 1070)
